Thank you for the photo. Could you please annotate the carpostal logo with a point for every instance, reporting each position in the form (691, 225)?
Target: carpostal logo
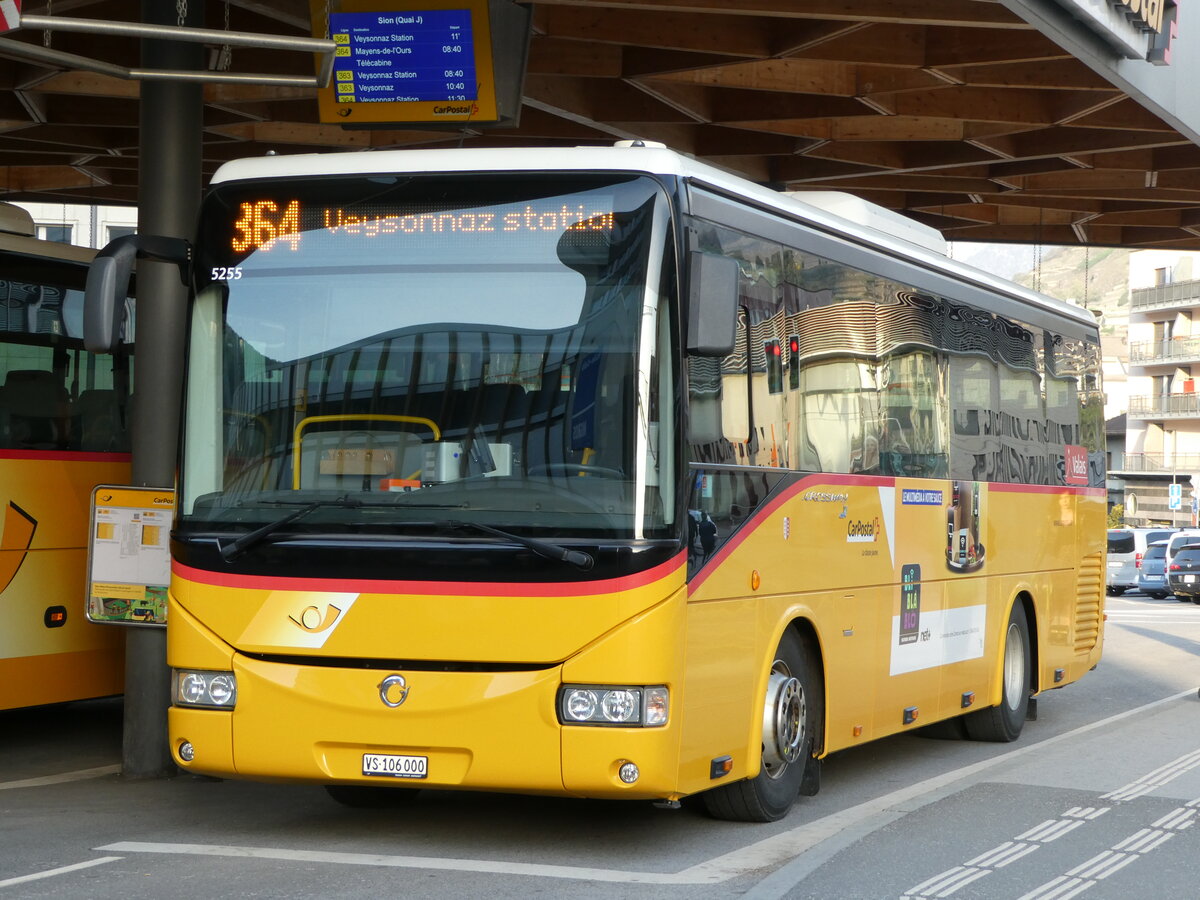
(859, 531)
(463, 109)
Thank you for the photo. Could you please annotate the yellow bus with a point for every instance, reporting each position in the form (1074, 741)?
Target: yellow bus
(604, 473)
(62, 431)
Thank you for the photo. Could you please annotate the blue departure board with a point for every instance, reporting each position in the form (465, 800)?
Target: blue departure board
(420, 56)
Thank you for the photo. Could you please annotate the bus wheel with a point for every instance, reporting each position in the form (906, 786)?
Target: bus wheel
(361, 797)
(791, 711)
(1003, 723)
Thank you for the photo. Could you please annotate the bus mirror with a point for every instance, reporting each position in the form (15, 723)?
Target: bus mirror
(712, 304)
(108, 284)
(104, 298)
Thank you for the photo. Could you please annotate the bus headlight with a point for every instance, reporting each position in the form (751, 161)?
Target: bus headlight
(199, 687)
(587, 704)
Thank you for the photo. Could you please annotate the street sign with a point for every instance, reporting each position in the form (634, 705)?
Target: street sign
(1175, 497)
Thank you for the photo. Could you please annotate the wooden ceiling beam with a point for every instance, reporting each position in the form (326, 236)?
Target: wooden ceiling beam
(42, 178)
(970, 47)
(559, 56)
(810, 76)
(731, 105)
(1042, 75)
(602, 100)
(643, 61)
(797, 36)
(737, 35)
(929, 12)
(879, 45)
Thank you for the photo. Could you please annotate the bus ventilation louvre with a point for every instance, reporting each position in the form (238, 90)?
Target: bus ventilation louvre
(1088, 597)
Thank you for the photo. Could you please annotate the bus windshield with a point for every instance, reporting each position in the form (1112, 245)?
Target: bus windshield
(404, 350)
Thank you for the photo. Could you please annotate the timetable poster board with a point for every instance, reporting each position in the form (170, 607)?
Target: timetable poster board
(129, 557)
(427, 62)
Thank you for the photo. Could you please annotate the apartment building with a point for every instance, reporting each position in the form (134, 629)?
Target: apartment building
(84, 226)
(1162, 439)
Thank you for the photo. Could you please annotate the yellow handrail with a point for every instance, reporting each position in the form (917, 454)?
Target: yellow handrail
(297, 440)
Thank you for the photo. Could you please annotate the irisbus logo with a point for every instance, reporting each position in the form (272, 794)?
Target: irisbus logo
(862, 531)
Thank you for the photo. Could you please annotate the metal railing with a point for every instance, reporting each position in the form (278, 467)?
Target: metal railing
(1162, 295)
(1173, 350)
(1169, 406)
(1159, 462)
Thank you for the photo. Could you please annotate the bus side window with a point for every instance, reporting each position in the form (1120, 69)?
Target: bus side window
(99, 421)
(38, 410)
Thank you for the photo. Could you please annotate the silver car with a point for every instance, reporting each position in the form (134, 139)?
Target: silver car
(1126, 546)
(1152, 575)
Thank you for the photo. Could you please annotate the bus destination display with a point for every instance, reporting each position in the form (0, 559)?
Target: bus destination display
(264, 225)
(409, 57)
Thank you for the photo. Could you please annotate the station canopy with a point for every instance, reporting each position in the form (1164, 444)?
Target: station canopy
(955, 112)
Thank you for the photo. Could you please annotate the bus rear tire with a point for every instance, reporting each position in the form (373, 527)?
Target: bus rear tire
(791, 714)
(1003, 723)
(368, 797)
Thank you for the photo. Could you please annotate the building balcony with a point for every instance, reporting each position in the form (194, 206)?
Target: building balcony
(1177, 351)
(1177, 295)
(1170, 406)
(1158, 463)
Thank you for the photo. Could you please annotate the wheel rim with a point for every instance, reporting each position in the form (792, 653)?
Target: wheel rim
(1014, 667)
(783, 720)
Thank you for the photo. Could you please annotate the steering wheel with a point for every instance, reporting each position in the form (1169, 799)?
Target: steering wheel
(576, 468)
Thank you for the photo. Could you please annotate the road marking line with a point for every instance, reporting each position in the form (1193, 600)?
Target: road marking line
(1053, 829)
(62, 870)
(60, 778)
(1132, 848)
(770, 852)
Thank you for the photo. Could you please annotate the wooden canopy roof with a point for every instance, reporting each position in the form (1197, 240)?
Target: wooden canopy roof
(955, 112)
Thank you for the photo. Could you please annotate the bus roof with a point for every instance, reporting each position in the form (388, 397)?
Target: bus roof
(841, 214)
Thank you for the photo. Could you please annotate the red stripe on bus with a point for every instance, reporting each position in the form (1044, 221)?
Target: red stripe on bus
(1006, 488)
(811, 481)
(67, 455)
(436, 588)
(808, 482)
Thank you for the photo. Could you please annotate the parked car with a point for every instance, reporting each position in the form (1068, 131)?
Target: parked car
(1183, 576)
(1152, 574)
(1126, 547)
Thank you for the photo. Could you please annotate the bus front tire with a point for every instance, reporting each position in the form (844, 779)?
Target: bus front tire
(791, 714)
(1003, 723)
(370, 797)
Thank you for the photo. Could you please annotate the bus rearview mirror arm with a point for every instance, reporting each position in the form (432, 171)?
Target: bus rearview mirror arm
(712, 304)
(108, 283)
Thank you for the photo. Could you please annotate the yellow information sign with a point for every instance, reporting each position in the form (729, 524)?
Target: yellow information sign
(129, 557)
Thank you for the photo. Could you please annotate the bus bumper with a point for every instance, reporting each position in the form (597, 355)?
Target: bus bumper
(476, 731)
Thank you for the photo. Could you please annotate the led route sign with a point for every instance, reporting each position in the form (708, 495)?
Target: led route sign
(264, 225)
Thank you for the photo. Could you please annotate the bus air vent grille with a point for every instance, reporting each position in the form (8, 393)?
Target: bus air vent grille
(1089, 595)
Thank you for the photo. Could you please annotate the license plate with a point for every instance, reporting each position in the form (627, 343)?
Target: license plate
(1153, 577)
(1189, 578)
(394, 766)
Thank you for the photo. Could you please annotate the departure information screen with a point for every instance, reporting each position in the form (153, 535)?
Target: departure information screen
(412, 57)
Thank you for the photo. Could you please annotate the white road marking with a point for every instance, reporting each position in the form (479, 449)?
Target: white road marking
(771, 852)
(62, 870)
(60, 778)
(946, 883)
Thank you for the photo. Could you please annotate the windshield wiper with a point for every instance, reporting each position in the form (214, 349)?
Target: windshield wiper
(239, 546)
(541, 548)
